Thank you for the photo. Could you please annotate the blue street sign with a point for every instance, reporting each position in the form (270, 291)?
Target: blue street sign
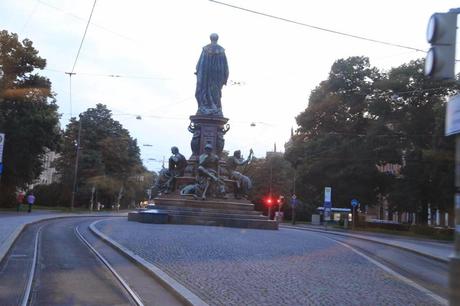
(354, 202)
(1, 168)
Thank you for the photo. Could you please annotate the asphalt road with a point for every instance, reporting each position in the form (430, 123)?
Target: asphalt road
(68, 273)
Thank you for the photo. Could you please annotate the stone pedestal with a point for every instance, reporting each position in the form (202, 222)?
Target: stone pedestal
(188, 209)
(207, 130)
(216, 212)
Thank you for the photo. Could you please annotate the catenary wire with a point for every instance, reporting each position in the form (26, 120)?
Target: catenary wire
(84, 35)
(318, 28)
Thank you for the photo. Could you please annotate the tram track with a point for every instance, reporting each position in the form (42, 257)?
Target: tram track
(28, 288)
(60, 262)
(122, 282)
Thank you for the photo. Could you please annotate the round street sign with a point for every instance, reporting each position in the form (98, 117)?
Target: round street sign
(354, 202)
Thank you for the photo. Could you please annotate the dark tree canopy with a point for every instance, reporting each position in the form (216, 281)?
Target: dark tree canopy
(360, 118)
(28, 114)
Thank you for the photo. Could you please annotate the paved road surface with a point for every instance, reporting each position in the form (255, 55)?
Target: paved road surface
(229, 266)
(68, 272)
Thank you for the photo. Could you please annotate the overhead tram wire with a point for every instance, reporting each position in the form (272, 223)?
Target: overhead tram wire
(71, 73)
(84, 35)
(113, 75)
(83, 19)
(319, 28)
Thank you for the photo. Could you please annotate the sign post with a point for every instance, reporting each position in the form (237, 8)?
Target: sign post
(453, 128)
(2, 144)
(293, 206)
(327, 205)
(354, 204)
(280, 202)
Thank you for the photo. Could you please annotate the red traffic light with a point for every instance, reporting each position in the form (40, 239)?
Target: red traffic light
(269, 201)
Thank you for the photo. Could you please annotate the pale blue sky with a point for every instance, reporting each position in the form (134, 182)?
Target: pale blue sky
(156, 45)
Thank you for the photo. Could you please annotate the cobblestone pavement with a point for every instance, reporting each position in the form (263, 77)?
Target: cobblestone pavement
(437, 249)
(228, 266)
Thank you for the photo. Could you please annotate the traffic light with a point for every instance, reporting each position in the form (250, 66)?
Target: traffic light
(268, 201)
(441, 33)
(280, 200)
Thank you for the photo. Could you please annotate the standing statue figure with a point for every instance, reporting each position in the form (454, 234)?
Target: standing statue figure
(212, 75)
(243, 183)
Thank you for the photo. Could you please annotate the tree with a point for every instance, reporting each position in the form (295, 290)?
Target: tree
(28, 115)
(274, 172)
(109, 158)
(360, 118)
(416, 110)
(333, 146)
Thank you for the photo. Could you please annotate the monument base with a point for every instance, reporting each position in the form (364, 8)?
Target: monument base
(216, 212)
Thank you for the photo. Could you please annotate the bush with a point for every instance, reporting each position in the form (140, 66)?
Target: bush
(435, 232)
(51, 195)
(388, 226)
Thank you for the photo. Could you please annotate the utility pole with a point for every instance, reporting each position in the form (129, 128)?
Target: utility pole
(77, 156)
(440, 65)
(454, 271)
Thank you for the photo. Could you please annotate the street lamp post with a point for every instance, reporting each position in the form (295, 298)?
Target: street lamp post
(72, 202)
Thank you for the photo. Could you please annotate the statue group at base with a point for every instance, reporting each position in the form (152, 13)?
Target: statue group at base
(209, 181)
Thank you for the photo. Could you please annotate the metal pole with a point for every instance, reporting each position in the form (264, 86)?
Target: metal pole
(271, 176)
(353, 218)
(70, 90)
(454, 263)
(72, 202)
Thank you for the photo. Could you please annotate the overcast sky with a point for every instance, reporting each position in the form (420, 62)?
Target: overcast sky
(154, 46)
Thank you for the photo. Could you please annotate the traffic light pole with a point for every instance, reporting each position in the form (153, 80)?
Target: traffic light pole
(440, 65)
(454, 263)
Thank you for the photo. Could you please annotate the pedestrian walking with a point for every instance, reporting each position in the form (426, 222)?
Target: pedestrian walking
(20, 200)
(30, 201)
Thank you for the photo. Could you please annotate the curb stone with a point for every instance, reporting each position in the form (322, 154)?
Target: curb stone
(181, 292)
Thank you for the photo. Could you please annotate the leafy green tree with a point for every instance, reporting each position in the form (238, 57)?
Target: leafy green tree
(333, 146)
(28, 115)
(109, 158)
